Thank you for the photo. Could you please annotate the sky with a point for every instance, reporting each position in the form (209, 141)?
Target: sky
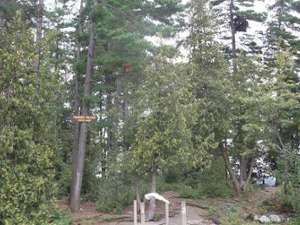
(256, 30)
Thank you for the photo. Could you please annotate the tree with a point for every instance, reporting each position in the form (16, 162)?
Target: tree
(80, 156)
(285, 129)
(121, 43)
(27, 147)
(164, 115)
(281, 33)
(242, 29)
(231, 121)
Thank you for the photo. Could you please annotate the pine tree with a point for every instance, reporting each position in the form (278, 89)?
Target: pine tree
(122, 52)
(282, 30)
(241, 28)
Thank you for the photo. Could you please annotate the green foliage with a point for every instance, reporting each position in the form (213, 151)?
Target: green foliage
(290, 194)
(294, 221)
(233, 217)
(211, 182)
(208, 182)
(113, 194)
(26, 178)
(252, 15)
(286, 131)
(164, 118)
(27, 153)
(60, 218)
(290, 200)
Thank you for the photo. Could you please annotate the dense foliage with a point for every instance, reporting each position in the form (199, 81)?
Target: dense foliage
(27, 137)
(203, 116)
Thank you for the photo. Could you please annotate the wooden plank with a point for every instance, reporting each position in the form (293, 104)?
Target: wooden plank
(167, 213)
(84, 118)
(142, 213)
(183, 213)
(135, 212)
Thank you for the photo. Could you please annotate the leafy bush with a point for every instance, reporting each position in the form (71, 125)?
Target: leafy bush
(113, 194)
(290, 197)
(294, 221)
(26, 136)
(60, 218)
(210, 182)
(234, 217)
(26, 178)
(185, 191)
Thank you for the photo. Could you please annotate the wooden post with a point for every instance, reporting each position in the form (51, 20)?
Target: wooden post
(167, 213)
(135, 212)
(142, 213)
(183, 213)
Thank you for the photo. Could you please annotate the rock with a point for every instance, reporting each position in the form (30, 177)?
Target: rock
(249, 216)
(264, 219)
(194, 222)
(216, 221)
(256, 218)
(275, 219)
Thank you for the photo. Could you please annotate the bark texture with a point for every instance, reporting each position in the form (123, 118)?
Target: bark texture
(80, 156)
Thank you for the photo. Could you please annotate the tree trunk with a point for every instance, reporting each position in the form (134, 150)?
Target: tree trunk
(76, 107)
(246, 169)
(243, 170)
(234, 180)
(78, 172)
(39, 36)
(286, 172)
(152, 205)
(137, 192)
(252, 163)
(233, 32)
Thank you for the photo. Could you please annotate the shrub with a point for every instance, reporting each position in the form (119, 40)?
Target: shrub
(26, 135)
(59, 218)
(113, 194)
(209, 182)
(294, 221)
(26, 185)
(291, 199)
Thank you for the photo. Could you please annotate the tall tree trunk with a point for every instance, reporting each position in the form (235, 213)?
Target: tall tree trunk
(110, 114)
(76, 107)
(233, 32)
(78, 172)
(152, 205)
(39, 36)
(286, 172)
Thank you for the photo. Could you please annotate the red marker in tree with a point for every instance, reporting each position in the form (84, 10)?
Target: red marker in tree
(127, 68)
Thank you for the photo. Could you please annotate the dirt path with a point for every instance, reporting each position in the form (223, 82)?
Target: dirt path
(206, 211)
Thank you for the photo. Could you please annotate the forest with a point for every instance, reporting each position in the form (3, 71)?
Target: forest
(194, 101)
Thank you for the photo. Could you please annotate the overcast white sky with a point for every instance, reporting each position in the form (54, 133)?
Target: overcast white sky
(256, 29)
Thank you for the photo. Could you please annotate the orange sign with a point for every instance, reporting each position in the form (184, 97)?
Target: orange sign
(84, 118)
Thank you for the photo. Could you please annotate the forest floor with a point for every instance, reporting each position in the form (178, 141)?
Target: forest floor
(205, 211)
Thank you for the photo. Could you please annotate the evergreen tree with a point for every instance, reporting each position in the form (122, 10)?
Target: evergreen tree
(284, 124)
(164, 114)
(122, 52)
(27, 129)
(282, 30)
